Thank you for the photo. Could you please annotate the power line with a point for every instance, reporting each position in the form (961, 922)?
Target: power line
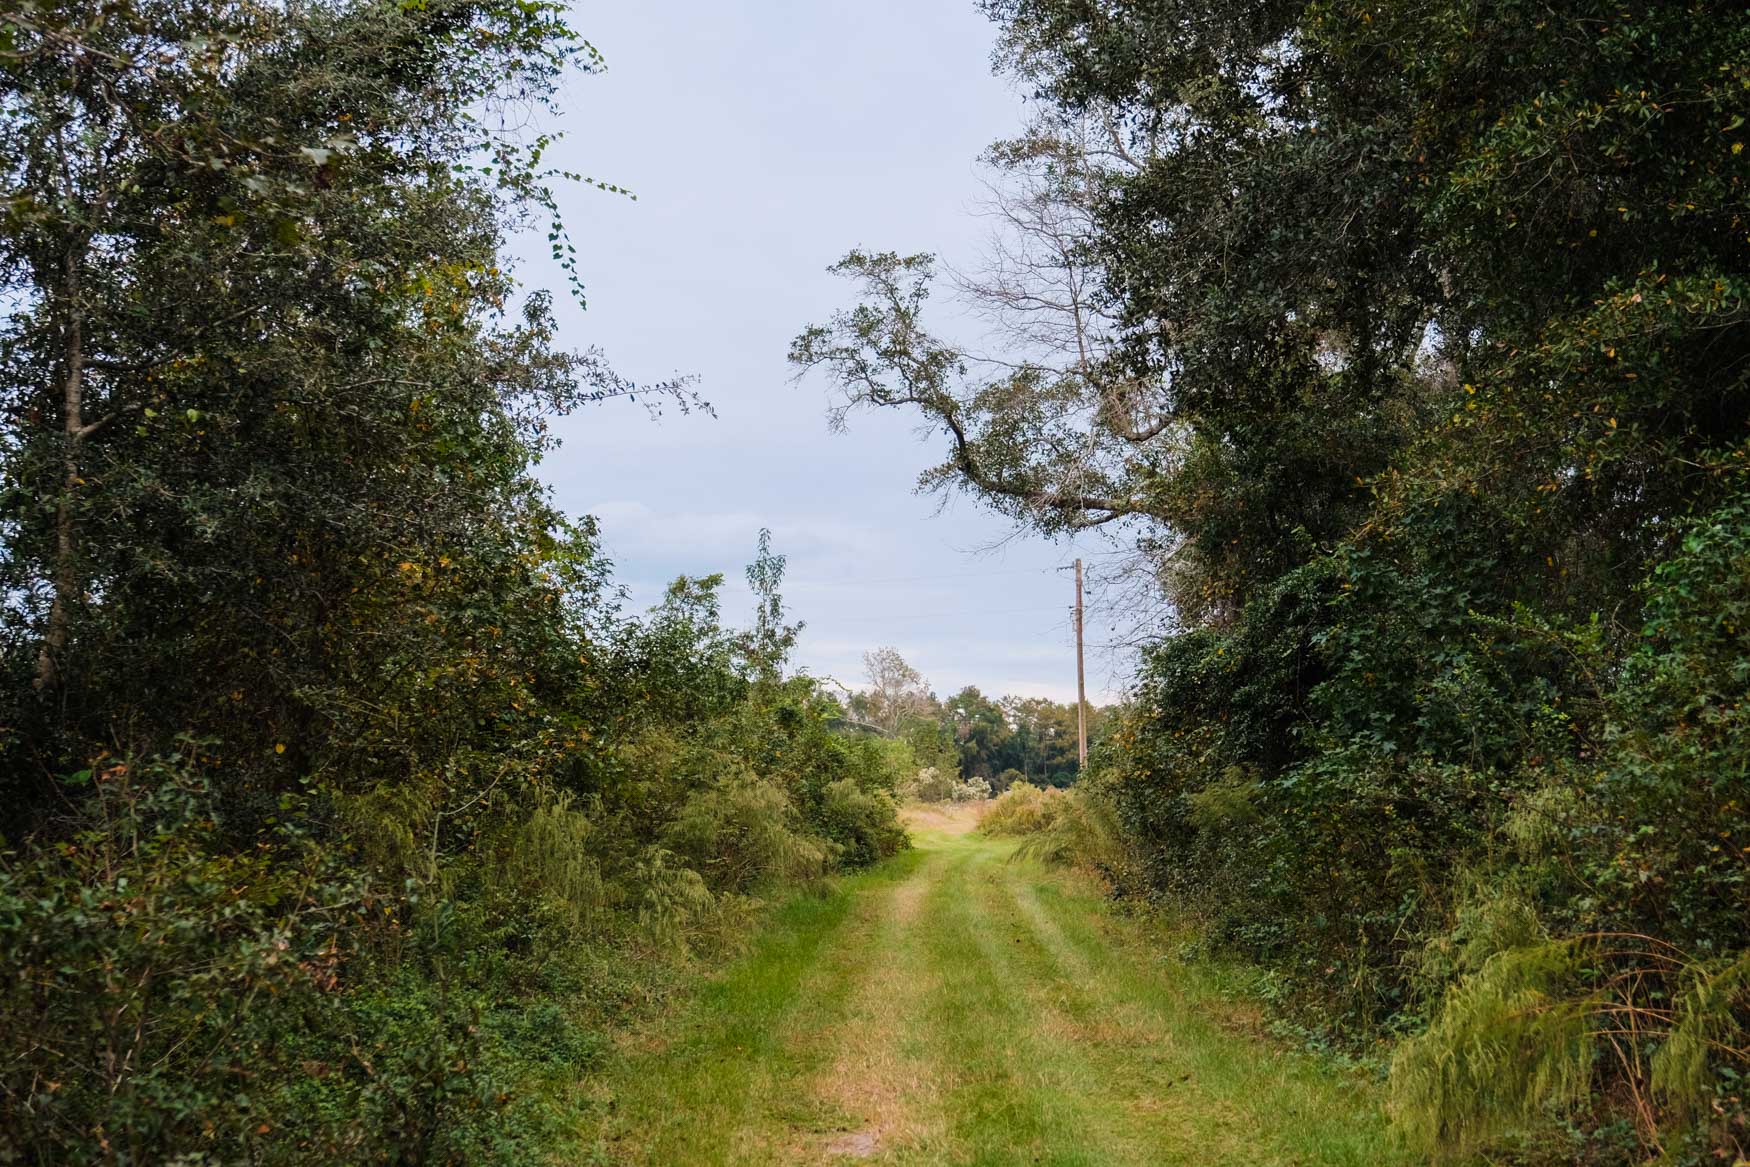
(803, 581)
(940, 615)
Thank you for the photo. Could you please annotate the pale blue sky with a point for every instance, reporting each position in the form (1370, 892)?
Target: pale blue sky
(764, 140)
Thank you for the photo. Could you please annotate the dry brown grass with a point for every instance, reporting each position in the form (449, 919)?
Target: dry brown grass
(947, 818)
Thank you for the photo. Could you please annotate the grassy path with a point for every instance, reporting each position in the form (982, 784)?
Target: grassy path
(952, 1007)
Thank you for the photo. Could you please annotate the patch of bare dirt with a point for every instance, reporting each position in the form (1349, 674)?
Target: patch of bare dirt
(856, 1145)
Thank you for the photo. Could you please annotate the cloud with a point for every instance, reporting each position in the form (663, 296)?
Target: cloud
(639, 527)
(714, 277)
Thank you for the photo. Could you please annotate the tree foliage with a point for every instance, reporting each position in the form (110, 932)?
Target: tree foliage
(969, 738)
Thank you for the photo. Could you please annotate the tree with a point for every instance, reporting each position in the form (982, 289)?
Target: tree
(1053, 428)
(981, 730)
(1440, 310)
(897, 692)
(880, 355)
(768, 644)
(292, 636)
(1046, 733)
(270, 402)
(1076, 424)
(330, 765)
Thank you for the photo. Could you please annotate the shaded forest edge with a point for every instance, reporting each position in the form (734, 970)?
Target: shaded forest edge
(1401, 352)
(345, 809)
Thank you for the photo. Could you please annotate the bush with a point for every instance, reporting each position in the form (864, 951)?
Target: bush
(1023, 809)
(158, 987)
(1625, 849)
(742, 834)
(970, 790)
(1068, 828)
(936, 785)
(410, 973)
(931, 785)
(863, 824)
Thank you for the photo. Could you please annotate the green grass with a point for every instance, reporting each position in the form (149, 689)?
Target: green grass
(953, 1007)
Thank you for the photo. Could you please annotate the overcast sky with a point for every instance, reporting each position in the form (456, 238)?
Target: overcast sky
(764, 139)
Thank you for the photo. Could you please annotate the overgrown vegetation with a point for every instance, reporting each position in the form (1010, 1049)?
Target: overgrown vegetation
(341, 802)
(1024, 809)
(1405, 346)
(1067, 828)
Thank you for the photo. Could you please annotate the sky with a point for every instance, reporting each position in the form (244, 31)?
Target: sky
(764, 139)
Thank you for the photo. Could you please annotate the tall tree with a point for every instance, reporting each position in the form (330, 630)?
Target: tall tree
(981, 729)
(270, 403)
(897, 693)
(768, 644)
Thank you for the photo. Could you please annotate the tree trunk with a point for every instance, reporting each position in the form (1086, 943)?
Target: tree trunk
(66, 570)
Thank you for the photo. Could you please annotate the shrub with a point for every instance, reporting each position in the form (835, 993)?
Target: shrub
(936, 785)
(1646, 984)
(672, 900)
(172, 997)
(743, 833)
(1023, 809)
(931, 785)
(970, 790)
(1509, 1040)
(158, 987)
(863, 824)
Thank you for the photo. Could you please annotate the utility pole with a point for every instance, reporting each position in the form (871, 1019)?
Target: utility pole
(1081, 679)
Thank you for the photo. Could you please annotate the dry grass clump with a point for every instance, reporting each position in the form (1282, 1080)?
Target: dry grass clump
(1066, 828)
(1023, 809)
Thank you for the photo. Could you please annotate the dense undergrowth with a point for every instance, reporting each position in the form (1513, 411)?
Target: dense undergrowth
(1542, 892)
(175, 987)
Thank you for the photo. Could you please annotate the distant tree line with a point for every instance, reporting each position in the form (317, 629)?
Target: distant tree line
(1000, 742)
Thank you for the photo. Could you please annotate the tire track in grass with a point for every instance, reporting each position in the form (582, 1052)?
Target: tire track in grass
(880, 1078)
(1258, 1103)
(951, 1008)
(714, 1095)
(1058, 1026)
(1156, 1109)
(1015, 1098)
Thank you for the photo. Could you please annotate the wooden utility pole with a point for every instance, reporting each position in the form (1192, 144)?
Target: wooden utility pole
(1081, 679)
